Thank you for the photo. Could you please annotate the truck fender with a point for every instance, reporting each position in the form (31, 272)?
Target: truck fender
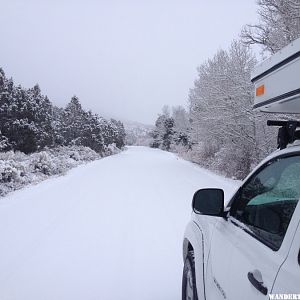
(193, 237)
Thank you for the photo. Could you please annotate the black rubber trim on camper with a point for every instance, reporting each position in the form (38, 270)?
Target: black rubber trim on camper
(277, 66)
(278, 98)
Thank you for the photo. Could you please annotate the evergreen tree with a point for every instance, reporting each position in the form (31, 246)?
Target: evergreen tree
(118, 133)
(163, 134)
(73, 118)
(29, 122)
(168, 133)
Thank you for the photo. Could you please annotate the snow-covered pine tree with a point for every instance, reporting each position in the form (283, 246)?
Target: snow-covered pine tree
(158, 132)
(29, 122)
(163, 133)
(168, 133)
(42, 116)
(57, 126)
(73, 117)
(84, 128)
(118, 136)
(92, 135)
(181, 127)
(4, 143)
(171, 132)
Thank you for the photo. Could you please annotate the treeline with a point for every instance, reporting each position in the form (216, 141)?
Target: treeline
(221, 131)
(29, 122)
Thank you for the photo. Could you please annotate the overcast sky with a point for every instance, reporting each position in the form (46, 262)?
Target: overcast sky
(122, 58)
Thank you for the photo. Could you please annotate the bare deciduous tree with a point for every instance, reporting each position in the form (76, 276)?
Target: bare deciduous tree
(223, 123)
(279, 25)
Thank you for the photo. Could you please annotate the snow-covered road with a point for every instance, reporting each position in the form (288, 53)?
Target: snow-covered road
(108, 230)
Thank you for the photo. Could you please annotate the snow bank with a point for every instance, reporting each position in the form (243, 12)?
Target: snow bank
(18, 169)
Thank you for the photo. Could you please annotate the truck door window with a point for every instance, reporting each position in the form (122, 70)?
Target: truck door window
(266, 203)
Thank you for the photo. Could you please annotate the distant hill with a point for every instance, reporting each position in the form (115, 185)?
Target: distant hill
(137, 133)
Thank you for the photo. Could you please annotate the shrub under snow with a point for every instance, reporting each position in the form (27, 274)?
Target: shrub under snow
(18, 169)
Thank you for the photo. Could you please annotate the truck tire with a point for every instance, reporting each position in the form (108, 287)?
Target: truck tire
(189, 289)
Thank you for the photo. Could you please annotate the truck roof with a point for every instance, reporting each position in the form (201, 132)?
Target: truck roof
(292, 148)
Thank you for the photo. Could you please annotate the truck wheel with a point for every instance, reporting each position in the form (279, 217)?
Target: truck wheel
(189, 290)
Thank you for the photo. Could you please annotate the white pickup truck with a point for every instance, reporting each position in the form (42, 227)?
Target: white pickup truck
(250, 249)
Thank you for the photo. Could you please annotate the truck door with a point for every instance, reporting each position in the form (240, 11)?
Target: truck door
(288, 278)
(263, 213)
(219, 265)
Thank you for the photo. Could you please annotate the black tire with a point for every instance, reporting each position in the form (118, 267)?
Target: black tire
(189, 289)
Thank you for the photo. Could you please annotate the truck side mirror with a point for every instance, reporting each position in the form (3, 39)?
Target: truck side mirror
(209, 202)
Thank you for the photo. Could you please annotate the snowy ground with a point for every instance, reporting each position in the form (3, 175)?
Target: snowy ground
(109, 230)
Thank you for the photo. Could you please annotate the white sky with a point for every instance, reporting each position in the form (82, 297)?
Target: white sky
(122, 58)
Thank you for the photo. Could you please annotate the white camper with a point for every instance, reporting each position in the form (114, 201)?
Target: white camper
(277, 81)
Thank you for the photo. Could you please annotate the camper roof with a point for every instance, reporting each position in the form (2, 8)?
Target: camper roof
(285, 53)
(277, 83)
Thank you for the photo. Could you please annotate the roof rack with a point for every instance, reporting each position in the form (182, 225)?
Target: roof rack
(287, 133)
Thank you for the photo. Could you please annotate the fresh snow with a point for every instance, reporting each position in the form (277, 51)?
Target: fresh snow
(109, 230)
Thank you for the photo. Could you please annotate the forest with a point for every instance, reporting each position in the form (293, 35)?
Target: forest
(38, 139)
